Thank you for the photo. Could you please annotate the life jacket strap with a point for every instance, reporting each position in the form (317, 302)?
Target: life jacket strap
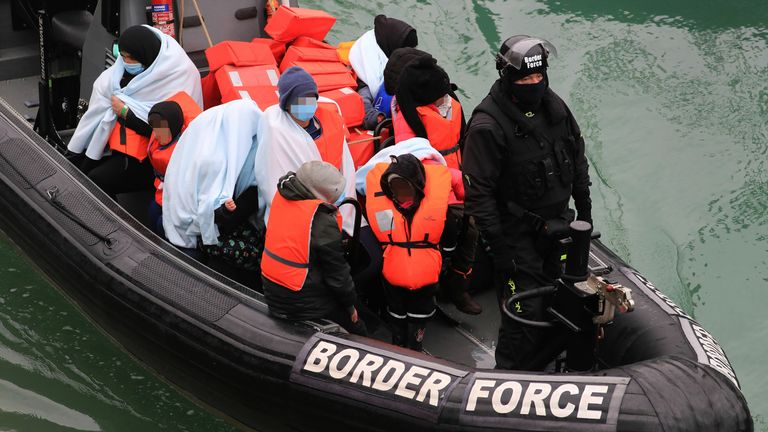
(449, 150)
(284, 261)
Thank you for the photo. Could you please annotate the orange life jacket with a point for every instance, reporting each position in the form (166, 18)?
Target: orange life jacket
(443, 133)
(285, 260)
(160, 156)
(126, 140)
(331, 143)
(412, 259)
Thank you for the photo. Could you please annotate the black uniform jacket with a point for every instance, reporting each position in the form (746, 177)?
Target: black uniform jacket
(532, 160)
(329, 283)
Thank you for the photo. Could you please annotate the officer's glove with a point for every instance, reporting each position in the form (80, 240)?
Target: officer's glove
(583, 204)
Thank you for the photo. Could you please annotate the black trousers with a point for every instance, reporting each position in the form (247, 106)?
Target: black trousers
(518, 345)
(409, 312)
(459, 240)
(120, 173)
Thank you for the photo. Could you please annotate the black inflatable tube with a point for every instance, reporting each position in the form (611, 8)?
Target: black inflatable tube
(663, 370)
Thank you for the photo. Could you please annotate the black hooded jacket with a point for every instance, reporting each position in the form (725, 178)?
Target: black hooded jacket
(500, 168)
(329, 283)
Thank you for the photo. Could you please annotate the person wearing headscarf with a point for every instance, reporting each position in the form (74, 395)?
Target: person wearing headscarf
(151, 68)
(368, 57)
(425, 106)
(398, 60)
(167, 119)
(305, 229)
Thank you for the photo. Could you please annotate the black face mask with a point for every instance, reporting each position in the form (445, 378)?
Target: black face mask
(529, 95)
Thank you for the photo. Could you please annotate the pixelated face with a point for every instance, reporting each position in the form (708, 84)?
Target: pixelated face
(162, 131)
(304, 107)
(402, 191)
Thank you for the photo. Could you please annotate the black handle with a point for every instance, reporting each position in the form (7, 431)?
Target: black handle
(536, 292)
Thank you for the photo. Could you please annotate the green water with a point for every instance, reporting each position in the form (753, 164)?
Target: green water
(671, 96)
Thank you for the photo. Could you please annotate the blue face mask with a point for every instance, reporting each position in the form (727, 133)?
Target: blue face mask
(341, 198)
(305, 109)
(134, 68)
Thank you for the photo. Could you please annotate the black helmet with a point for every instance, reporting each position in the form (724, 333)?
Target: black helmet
(523, 55)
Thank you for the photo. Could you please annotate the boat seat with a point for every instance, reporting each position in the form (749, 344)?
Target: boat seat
(69, 28)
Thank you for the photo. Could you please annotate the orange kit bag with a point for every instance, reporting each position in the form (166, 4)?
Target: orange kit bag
(288, 23)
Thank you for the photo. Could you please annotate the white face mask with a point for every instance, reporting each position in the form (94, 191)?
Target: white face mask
(444, 106)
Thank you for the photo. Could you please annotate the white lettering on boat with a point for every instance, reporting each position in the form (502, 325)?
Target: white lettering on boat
(377, 372)
(540, 399)
(714, 353)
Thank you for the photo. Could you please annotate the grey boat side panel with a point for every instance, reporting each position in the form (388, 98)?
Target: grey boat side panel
(222, 22)
(97, 41)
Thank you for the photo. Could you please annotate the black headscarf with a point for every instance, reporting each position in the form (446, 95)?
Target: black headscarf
(391, 34)
(395, 65)
(171, 112)
(141, 43)
(422, 82)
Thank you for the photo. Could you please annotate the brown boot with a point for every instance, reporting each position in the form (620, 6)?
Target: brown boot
(456, 284)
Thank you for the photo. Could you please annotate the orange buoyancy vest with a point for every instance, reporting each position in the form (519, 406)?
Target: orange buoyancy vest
(443, 134)
(412, 259)
(331, 143)
(128, 141)
(285, 260)
(159, 155)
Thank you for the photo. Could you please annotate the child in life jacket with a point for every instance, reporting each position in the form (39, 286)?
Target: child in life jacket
(168, 120)
(406, 204)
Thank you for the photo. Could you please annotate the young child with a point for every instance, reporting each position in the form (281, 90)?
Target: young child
(406, 203)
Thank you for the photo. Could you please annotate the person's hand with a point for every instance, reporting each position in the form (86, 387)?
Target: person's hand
(380, 118)
(230, 204)
(354, 316)
(117, 105)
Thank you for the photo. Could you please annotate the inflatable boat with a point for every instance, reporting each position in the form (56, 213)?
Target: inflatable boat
(657, 369)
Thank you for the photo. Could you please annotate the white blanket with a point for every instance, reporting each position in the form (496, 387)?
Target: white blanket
(368, 61)
(418, 147)
(170, 73)
(284, 146)
(213, 161)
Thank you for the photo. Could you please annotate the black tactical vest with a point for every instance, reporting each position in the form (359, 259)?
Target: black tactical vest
(539, 169)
